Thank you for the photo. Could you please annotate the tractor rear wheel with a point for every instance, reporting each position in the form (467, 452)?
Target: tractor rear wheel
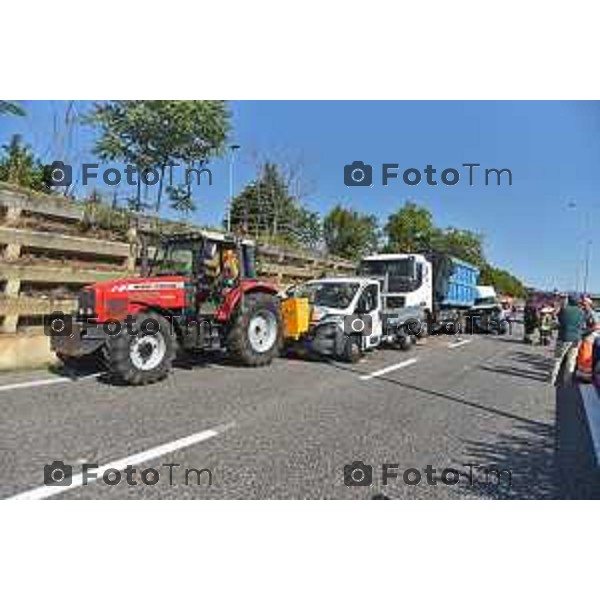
(143, 357)
(254, 338)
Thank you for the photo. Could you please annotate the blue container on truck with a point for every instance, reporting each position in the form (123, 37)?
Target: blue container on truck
(455, 282)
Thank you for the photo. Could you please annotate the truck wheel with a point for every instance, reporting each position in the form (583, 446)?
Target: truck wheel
(254, 339)
(352, 352)
(423, 331)
(142, 358)
(405, 342)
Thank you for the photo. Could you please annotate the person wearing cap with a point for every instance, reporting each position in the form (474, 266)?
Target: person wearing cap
(571, 324)
(587, 305)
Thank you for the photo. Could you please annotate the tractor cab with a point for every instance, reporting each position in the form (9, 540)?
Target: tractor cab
(214, 263)
(203, 253)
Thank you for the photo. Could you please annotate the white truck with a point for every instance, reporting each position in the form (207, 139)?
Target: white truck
(347, 319)
(437, 289)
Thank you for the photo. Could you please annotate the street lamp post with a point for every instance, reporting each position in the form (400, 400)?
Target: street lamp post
(588, 246)
(232, 149)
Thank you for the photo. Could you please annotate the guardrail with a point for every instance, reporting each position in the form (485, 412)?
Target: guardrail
(40, 270)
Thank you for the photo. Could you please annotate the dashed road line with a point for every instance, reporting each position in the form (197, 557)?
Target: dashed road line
(45, 491)
(591, 403)
(459, 343)
(385, 370)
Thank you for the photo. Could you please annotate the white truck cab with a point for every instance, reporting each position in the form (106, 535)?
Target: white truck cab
(406, 280)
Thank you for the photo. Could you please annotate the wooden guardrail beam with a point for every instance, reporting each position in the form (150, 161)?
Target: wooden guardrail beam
(67, 243)
(18, 200)
(49, 274)
(27, 305)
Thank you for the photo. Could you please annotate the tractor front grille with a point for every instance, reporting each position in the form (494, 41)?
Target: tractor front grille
(87, 302)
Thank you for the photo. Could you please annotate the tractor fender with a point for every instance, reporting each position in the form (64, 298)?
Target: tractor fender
(234, 296)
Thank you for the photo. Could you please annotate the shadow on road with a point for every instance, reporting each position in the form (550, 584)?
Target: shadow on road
(546, 461)
(443, 396)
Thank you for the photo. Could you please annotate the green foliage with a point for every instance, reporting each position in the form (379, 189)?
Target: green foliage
(350, 234)
(462, 243)
(266, 209)
(11, 108)
(100, 215)
(309, 229)
(503, 281)
(19, 166)
(180, 199)
(157, 133)
(410, 229)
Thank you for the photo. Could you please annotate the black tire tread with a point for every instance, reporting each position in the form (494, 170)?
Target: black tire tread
(238, 345)
(120, 367)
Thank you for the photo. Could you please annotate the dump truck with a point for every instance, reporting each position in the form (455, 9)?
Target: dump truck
(435, 288)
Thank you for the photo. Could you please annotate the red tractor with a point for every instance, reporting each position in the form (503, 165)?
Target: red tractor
(199, 292)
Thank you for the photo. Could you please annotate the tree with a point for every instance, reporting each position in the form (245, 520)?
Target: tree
(462, 243)
(503, 281)
(308, 229)
(410, 229)
(153, 134)
(181, 199)
(19, 166)
(350, 234)
(265, 207)
(11, 108)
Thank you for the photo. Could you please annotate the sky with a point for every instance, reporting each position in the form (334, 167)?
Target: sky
(538, 228)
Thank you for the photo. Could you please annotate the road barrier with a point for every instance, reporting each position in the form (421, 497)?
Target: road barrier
(49, 249)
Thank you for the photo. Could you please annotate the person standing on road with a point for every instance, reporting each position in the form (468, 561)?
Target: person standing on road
(587, 305)
(571, 323)
(530, 321)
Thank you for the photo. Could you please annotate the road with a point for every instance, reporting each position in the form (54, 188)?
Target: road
(288, 431)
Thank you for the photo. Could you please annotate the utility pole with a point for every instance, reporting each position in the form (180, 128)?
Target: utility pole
(588, 246)
(586, 272)
(232, 150)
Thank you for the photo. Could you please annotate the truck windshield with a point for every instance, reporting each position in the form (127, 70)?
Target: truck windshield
(328, 294)
(172, 260)
(489, 300)
(397, 268)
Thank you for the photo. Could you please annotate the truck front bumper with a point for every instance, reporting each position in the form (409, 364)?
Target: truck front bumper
(78, 340)
(322, 340)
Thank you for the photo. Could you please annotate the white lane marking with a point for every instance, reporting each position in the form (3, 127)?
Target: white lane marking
(400, 365)
(40, 382)
(591, 403)
(42, 492)
(459, 343)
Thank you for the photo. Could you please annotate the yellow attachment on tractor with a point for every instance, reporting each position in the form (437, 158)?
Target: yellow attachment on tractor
(295, 314)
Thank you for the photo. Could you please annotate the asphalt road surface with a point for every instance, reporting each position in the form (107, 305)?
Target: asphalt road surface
(289, 430)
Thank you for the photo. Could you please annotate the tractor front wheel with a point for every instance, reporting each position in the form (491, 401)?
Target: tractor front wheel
(254, 338)
(142, 357)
